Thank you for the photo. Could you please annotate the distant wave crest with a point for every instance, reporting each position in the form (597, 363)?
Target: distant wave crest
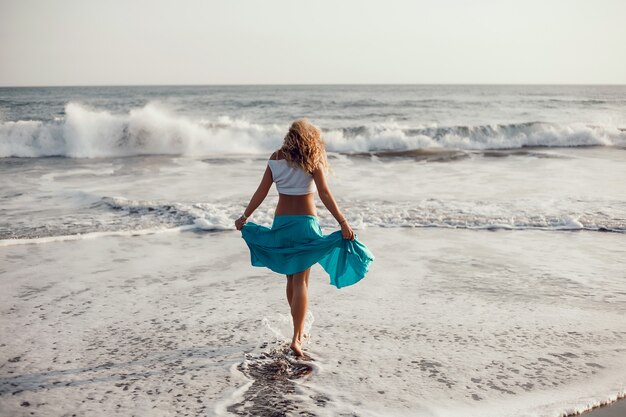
(153, 129)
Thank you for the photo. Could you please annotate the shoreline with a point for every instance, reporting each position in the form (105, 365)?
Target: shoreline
(616, 408)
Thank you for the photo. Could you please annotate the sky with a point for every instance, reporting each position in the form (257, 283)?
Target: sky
(138, 42)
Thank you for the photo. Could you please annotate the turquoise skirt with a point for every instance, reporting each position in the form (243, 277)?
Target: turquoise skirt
(295, 243)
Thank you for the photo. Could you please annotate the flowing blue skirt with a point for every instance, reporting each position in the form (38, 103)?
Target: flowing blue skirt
(295, 242)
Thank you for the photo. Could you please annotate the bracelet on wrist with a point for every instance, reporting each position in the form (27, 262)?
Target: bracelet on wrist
(244, 217)
(343, 221)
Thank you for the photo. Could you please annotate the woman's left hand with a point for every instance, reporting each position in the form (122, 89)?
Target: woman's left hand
(346, 231)
(240, 222)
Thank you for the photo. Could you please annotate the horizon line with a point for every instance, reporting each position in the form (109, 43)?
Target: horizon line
(312, 85)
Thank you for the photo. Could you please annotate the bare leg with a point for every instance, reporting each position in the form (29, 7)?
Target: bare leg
(301, 335)
(299, 303)
(289, 289)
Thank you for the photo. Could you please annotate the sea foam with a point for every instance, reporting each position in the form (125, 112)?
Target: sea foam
(121, 216)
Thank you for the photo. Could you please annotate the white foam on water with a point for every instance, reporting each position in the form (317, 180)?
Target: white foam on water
(280, 326)
(123, 216)
(54, 176)
(425, 213)
(91, 235)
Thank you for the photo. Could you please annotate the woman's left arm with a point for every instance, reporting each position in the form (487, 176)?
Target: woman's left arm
(257, 198)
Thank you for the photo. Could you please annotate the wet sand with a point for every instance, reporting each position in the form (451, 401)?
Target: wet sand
(175, 324)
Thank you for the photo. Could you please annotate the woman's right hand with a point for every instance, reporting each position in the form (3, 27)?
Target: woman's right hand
(346, 231)
(239, 223)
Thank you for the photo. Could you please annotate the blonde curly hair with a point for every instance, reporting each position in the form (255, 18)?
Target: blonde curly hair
(304, 147)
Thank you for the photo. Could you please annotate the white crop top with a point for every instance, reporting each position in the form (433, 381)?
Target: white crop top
(290, 180)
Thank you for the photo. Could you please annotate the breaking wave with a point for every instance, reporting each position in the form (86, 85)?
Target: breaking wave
(153, 129)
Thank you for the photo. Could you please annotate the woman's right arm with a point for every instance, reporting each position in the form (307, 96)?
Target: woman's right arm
(319, 176)
(257, 198)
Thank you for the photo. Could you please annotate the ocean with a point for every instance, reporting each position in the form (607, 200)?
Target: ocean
(497, 215)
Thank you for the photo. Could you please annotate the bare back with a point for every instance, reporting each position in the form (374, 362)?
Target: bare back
(294, 204)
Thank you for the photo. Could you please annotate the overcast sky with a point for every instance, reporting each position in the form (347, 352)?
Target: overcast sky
(119, 42)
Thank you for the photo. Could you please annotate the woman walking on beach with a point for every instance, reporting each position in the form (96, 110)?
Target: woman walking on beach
(295, 241)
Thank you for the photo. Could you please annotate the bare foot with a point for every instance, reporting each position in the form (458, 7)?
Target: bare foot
(297, 348)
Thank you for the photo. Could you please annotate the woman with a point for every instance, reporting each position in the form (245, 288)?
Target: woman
(295, 241)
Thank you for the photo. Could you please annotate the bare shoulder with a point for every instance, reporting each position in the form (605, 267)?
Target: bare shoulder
(319, 175)
(274, 156)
